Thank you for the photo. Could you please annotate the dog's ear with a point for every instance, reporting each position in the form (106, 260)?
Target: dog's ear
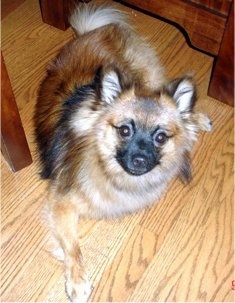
(185, 172)
(110, 85)
(111, 81)
(183, 91)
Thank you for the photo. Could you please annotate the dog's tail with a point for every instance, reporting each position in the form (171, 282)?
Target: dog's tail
(88, 17)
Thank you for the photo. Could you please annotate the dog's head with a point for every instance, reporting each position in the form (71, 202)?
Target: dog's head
(137, 131)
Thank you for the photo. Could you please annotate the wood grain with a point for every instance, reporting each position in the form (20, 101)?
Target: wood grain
(181, 249)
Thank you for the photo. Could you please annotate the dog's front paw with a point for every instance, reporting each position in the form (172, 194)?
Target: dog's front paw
(78, 291)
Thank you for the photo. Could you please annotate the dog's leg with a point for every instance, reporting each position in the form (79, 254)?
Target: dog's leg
(203, 121)
(64, 222)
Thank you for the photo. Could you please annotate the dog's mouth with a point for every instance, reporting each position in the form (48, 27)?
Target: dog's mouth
(136, 172)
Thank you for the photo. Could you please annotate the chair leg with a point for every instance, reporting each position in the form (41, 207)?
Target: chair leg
(56, 12)
(14, 145)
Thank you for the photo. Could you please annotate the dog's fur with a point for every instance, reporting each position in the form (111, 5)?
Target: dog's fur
(111, 132)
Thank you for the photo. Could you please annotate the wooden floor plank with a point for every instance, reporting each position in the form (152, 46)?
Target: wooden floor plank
(181, 249)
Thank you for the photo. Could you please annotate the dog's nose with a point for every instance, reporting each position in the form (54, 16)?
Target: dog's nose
(139, 162)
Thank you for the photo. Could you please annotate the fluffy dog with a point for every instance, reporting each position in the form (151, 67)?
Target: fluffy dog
(111, 131)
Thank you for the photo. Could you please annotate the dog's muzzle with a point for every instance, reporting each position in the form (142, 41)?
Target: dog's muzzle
(137, 160)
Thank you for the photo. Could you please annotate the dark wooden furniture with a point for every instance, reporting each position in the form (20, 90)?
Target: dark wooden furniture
(208, 25)
(56, 12)
(222, 81)
(14, 145)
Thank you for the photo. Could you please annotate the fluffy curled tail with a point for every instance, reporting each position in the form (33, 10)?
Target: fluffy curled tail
(88, 17)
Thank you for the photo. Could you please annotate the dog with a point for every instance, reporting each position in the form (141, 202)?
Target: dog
(112, 132)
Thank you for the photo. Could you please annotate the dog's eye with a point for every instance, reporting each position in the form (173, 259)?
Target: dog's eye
(125, 131)
(160, 138)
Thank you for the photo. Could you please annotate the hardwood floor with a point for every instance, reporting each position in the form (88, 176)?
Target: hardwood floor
(181, 249)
